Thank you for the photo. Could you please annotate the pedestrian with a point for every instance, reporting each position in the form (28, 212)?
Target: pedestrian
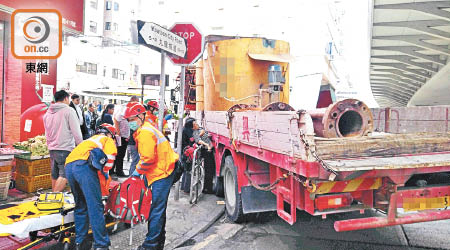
(187, 140)
(157, 164)
(75, 104)
(99, 106)
(63, 133)
(201, 137)
(106, 116)
(91, 118)
(132, 150)
(123, 131)
(86, 170)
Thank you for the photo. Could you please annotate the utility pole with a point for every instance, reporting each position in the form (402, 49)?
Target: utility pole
(162, 90)
(180, 124)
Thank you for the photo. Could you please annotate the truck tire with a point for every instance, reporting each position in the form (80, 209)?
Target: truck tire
(217, 186)
(233, 202)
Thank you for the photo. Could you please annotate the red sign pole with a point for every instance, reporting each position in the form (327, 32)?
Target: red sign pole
(194, 44)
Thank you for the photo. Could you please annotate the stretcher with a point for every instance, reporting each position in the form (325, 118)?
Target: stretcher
(31, 223)
(40, 224)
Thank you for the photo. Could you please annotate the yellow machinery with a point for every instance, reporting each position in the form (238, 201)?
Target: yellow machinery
(253, 71)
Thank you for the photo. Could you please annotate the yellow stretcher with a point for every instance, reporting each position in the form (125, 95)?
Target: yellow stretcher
(51, 212)
(21, 219)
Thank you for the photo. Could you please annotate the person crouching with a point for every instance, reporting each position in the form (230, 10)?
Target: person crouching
(86, 170)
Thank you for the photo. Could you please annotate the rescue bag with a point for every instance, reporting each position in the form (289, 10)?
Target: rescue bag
(130, 201)
(50, 202)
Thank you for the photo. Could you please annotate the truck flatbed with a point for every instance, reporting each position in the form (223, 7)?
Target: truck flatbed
(394, 162)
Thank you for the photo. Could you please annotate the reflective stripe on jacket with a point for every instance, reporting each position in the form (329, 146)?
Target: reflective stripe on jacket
(157, 156)
(82, 151)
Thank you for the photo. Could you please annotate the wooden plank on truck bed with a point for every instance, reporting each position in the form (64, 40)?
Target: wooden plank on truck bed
(397, 162)
(382, 145)
(277, 131)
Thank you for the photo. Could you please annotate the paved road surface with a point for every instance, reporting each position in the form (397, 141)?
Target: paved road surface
(271, 233)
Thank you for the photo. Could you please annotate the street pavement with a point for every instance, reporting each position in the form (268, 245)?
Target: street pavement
(270, 232)
(184, 221)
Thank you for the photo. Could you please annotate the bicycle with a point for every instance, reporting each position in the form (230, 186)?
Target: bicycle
(197, 175)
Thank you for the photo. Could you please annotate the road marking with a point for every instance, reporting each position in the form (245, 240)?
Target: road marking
(205, 242)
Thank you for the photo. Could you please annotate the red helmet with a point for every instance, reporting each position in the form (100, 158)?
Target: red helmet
(106, 128)
(130, 104)
(153, 104)
(133, 109)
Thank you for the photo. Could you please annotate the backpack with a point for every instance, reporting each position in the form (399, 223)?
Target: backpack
(130, 201)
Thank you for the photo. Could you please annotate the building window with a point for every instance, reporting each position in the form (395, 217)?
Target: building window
(116, 6)
(115, 27)
(94, 4)
(108, 26)
(93, 26)
(108, 5)
(121, 75)
(82, 68)
(90, 68)
(104, 70)
(115, 73)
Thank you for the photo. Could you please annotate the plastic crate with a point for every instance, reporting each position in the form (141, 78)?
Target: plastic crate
(6, 168)
(4, 187)
(5, 177)
(31, 184)
(33, 167)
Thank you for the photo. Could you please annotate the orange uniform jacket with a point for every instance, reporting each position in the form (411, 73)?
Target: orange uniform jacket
(82, 151)
(157, 156)
(153, 119)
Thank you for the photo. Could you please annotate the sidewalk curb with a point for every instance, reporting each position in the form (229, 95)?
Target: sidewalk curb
(214, 216)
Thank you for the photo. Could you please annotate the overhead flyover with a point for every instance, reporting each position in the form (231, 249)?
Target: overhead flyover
(410, 53)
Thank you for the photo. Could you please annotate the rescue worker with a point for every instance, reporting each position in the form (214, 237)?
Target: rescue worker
(157, 164)
(86, 170)
(152, 115)
(152, 108)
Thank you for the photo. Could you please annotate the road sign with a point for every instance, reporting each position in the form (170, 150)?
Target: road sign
(194, 43)
(161, 39)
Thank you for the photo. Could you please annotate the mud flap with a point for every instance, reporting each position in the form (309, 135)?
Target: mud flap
(254, 200)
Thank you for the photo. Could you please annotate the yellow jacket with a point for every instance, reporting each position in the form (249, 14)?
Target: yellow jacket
(157, 156)
(82, 151)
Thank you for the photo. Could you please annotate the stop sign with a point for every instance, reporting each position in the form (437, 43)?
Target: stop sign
(194, 43)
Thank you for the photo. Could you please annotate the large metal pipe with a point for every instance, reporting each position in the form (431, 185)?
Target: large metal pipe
(346, 118)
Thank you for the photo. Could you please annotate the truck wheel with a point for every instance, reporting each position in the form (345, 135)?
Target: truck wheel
(233, 202)
(217, 186)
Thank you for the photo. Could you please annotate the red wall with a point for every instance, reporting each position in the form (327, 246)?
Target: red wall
(29, 97)
(13, 101)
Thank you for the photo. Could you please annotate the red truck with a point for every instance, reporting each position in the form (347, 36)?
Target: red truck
(268, 156)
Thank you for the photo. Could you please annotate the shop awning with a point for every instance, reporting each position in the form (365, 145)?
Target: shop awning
(123, 94)
(272, 57)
